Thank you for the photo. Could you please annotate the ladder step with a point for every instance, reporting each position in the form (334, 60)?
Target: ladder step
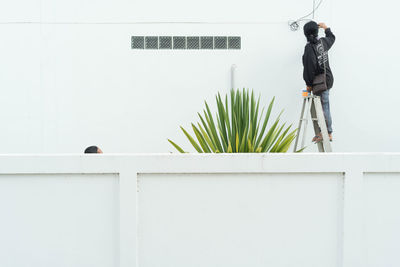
(314, 106)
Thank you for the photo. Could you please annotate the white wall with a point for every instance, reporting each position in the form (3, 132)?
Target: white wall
(69, 79)
(200, 210)
(59, 220)
(240, 219)
(381, 197)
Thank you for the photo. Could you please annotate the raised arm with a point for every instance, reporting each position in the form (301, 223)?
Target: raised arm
(329, 36)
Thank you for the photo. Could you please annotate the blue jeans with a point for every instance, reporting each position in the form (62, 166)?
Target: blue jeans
(325, 106)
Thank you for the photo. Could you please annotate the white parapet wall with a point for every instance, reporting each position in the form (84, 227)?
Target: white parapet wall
(289, 210)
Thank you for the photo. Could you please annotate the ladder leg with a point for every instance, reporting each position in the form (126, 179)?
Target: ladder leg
(322, 125)
(300, 126)
(306, 121)
(314, 119)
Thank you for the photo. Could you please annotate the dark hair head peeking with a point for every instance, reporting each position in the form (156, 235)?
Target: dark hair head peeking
(93, 150)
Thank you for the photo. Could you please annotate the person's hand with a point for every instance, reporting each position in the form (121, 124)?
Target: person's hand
(322, 25)
(309, 88)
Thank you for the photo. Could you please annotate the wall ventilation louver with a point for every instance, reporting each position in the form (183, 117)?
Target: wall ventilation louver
(151, 42)
(165, 42)
(187, 42)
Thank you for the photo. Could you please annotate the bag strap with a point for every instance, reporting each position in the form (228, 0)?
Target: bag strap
(322, 55)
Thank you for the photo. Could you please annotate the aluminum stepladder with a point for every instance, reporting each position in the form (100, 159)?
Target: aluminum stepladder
(312, 104)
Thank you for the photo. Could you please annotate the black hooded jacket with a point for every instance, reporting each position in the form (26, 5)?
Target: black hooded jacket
(314, 58)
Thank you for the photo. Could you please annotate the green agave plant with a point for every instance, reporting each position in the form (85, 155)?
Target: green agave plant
(240, 127)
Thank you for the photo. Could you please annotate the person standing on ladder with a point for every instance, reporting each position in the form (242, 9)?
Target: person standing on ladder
(315, 62)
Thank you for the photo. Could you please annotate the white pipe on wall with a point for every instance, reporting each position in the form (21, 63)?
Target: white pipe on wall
(233, 76)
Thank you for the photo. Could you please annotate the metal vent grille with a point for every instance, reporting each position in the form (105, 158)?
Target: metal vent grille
(220, 42)
(207, 42)
(179, 42)
(193, 42)
(234, 42)
(151, 42)
(165, 42)
(187, 42)
(137, 42)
